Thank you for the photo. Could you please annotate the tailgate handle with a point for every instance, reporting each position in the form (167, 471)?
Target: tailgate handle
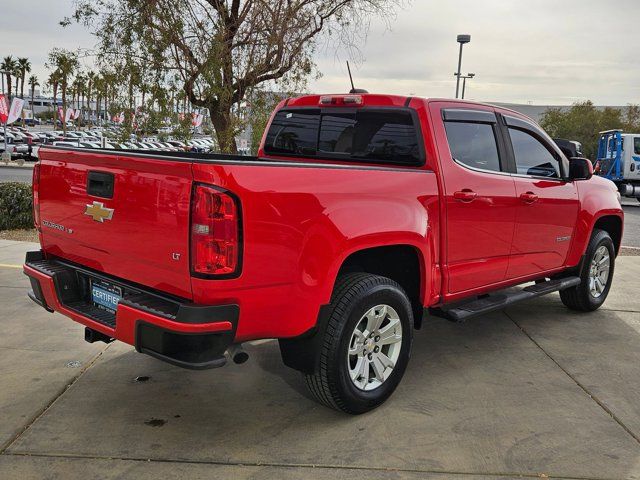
(100, 184)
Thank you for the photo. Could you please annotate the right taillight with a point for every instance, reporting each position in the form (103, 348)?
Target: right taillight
(215, 232)
(35, 184)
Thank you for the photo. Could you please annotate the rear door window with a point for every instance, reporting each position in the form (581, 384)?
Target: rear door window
(388, 135)
(473, 145)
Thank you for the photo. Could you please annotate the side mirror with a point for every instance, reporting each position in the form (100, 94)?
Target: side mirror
(580, 168)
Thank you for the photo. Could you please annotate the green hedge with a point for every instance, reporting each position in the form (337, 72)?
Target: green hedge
(16, 206)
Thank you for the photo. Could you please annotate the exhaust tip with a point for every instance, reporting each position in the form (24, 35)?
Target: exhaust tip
(237, 354)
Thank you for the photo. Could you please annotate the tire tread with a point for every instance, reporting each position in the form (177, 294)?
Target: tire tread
(347, 288)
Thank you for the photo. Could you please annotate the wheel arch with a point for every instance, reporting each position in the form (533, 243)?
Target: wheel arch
(403, 263)
(612, 224)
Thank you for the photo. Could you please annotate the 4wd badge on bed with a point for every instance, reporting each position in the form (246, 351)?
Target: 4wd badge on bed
(99, 212)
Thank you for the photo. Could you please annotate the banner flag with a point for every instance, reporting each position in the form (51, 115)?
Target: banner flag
(4, 109)
(16, 110)
(196, 119)
(68, 115)
(61, 114)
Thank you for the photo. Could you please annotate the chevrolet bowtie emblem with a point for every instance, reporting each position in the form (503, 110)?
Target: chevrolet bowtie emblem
(99, 212)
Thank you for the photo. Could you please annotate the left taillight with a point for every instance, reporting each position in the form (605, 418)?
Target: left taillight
(35, 186)
(215, 232)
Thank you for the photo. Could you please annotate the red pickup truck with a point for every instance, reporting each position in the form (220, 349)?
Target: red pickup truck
(361, 215)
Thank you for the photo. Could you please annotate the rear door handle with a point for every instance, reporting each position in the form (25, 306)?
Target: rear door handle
(529, 197)
(465, 195)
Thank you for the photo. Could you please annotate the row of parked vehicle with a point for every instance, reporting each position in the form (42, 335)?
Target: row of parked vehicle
(22, 143)
(200, 145)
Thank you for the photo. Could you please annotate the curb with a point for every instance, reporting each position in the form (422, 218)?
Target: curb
(26, 166)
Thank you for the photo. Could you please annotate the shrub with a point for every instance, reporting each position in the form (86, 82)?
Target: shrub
(16, 206)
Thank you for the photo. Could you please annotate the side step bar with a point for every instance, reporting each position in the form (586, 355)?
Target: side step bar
(459, 312)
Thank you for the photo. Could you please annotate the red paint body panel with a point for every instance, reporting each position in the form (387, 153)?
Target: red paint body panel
(149, 224)
(302, 218)
(543, 228)
(478, 233)
(299, 224)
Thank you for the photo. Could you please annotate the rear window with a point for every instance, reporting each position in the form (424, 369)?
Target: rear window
(294, 132)
(388, 136)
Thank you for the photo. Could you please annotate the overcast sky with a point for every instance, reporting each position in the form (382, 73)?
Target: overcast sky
(538, 51)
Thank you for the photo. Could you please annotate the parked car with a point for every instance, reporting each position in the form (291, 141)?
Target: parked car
(361, 214)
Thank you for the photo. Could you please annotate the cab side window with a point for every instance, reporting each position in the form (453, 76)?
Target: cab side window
(473, 145)
(532, 157)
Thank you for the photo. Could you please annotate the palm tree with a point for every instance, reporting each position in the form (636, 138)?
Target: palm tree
(8, 66)
(33, 83)
(66, 63)
(16, 73)
(54, 81)
(79, 84)
(91, 79)
(24, 67)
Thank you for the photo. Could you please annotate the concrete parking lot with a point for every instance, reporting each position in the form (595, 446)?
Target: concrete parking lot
(533, 391)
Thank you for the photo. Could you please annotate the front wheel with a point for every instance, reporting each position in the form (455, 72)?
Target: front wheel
(596, 275)
(366, 344)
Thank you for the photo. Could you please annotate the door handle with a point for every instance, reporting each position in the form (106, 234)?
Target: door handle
(529, 197)
(465, 195)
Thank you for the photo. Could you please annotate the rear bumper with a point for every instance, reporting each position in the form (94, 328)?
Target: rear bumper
(173, 330)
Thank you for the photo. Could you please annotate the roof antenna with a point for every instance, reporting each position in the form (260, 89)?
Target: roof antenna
(353, 88)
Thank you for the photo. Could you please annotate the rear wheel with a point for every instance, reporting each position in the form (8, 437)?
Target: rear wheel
(366, 345)
(596, 275)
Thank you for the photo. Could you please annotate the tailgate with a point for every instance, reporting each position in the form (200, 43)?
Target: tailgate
(139, 232)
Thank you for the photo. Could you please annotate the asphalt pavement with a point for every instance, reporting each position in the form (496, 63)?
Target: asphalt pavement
(15, 174)
(631, 236)
(535, 391)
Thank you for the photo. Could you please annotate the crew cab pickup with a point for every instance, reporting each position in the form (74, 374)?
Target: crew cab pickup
(362, 216)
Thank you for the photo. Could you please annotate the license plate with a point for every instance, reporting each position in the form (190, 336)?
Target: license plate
(105, 296)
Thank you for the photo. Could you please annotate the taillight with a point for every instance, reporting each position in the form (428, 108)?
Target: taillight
(35, 185)
(215, 232)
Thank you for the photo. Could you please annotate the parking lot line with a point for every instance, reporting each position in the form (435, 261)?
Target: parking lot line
(8, 265)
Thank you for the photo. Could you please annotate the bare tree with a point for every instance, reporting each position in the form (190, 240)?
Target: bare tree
(222, 49)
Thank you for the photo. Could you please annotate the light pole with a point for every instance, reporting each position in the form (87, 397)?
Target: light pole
(464, 81)
(462, 39)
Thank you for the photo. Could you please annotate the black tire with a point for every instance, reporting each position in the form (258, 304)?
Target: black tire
(354, 294)
(580, 298)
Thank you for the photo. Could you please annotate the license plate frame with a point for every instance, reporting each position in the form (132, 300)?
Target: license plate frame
(104, 295)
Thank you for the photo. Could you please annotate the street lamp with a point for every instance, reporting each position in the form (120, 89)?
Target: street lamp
(462, 39)
(464, 81)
